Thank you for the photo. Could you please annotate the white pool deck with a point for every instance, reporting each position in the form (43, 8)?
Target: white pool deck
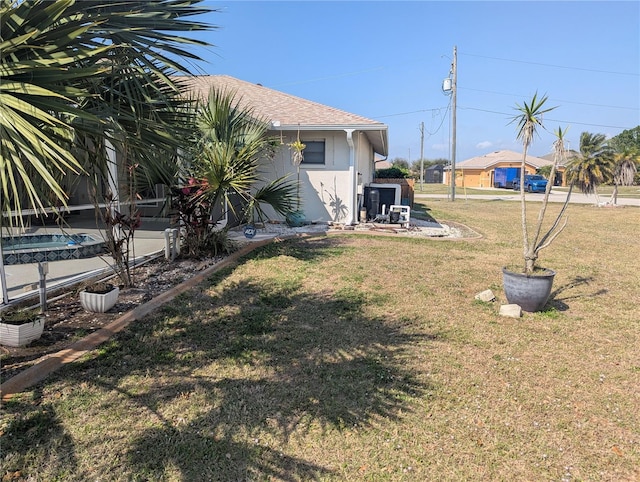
(23, 278)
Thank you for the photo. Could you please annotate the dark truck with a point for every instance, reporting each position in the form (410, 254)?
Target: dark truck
(504, 176)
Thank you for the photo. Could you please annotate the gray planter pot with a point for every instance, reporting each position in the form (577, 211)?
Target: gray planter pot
(531, 292)
(295, 219)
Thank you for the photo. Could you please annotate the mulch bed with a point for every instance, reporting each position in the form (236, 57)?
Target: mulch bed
(67, 322)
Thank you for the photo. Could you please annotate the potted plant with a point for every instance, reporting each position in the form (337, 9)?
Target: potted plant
(250, 214)
(20, 327)
(530, 288)
(99, 297)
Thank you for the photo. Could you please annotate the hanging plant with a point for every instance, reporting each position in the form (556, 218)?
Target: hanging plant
(297, 156)
(297, 148)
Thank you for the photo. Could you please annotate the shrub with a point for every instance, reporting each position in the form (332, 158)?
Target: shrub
(393, 173)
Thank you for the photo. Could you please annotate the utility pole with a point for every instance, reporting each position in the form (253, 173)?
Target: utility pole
(421, 154)
(454, 99)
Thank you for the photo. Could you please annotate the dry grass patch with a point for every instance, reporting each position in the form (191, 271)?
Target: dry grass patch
(355, 357)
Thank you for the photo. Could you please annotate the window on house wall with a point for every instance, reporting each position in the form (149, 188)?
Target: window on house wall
(313, 153)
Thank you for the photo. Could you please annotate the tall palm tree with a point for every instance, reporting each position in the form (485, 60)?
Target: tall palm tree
(593, 165)
(224, 162)
(624, 170)
(74, 73)
(528, 121)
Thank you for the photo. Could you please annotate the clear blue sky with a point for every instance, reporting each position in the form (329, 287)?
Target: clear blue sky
(386, 60)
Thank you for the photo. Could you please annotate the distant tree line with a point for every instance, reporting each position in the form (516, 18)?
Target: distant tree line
(600, 161)
(400, 168)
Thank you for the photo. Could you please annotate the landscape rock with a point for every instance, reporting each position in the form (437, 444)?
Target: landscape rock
(486, 295)
(512, 310)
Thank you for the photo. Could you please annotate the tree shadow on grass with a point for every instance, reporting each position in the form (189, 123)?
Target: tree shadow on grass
(262, 358)
(320, 363)
(560, 297)
(36, 433)
(309, 249)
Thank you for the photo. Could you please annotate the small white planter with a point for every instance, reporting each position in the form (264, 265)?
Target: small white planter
(99, 302)
(20, 335)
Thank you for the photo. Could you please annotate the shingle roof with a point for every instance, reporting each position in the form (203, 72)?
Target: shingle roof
(288, 112)
(570, 153)
(489, 160)
(278, 106)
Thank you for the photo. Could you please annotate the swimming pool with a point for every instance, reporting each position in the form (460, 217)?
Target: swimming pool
(34, 248)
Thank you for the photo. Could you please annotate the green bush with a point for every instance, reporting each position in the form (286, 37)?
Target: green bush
(393, 173)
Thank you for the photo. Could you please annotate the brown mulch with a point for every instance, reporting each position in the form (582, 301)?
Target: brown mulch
(67, 322)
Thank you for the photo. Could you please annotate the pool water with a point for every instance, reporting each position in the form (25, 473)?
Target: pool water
(33, 248)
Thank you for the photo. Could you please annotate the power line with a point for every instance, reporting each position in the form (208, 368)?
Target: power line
(635, 74)
(555, 100)
(552, 120)
(431, 134)
(411, 112)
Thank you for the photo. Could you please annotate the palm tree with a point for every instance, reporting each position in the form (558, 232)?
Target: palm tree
(223, 164)
(77, 74)
(624, 171)
(73, 74)
(593, 165)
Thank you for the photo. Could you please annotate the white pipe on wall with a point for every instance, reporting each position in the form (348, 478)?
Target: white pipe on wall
(353, 179)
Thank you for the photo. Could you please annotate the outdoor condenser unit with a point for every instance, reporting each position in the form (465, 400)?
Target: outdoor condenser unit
(389, 195)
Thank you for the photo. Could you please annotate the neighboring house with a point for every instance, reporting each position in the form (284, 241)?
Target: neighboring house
(383, 164)
(339, 158)
(561, 175)
(479, 171)
(434, 174)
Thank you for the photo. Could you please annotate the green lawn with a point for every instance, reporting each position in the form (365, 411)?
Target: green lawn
(355, 357)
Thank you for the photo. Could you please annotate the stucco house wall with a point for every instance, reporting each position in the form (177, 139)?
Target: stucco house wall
(331, 191)
(324, 189)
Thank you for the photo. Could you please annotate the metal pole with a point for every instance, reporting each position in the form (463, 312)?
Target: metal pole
(3, 276)
(421, 155)
(454, 89)
(43, 269)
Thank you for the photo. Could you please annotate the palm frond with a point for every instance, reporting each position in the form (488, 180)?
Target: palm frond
(77, 70)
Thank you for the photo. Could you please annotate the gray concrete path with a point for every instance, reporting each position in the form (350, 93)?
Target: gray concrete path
(555, 196)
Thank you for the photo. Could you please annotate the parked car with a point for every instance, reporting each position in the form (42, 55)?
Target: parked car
(532, 183)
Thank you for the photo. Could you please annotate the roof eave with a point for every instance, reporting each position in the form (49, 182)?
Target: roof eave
(329, 127)
(380, 145)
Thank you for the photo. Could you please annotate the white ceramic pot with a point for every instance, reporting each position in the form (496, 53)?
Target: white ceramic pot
(99, 302)
(20, 335)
